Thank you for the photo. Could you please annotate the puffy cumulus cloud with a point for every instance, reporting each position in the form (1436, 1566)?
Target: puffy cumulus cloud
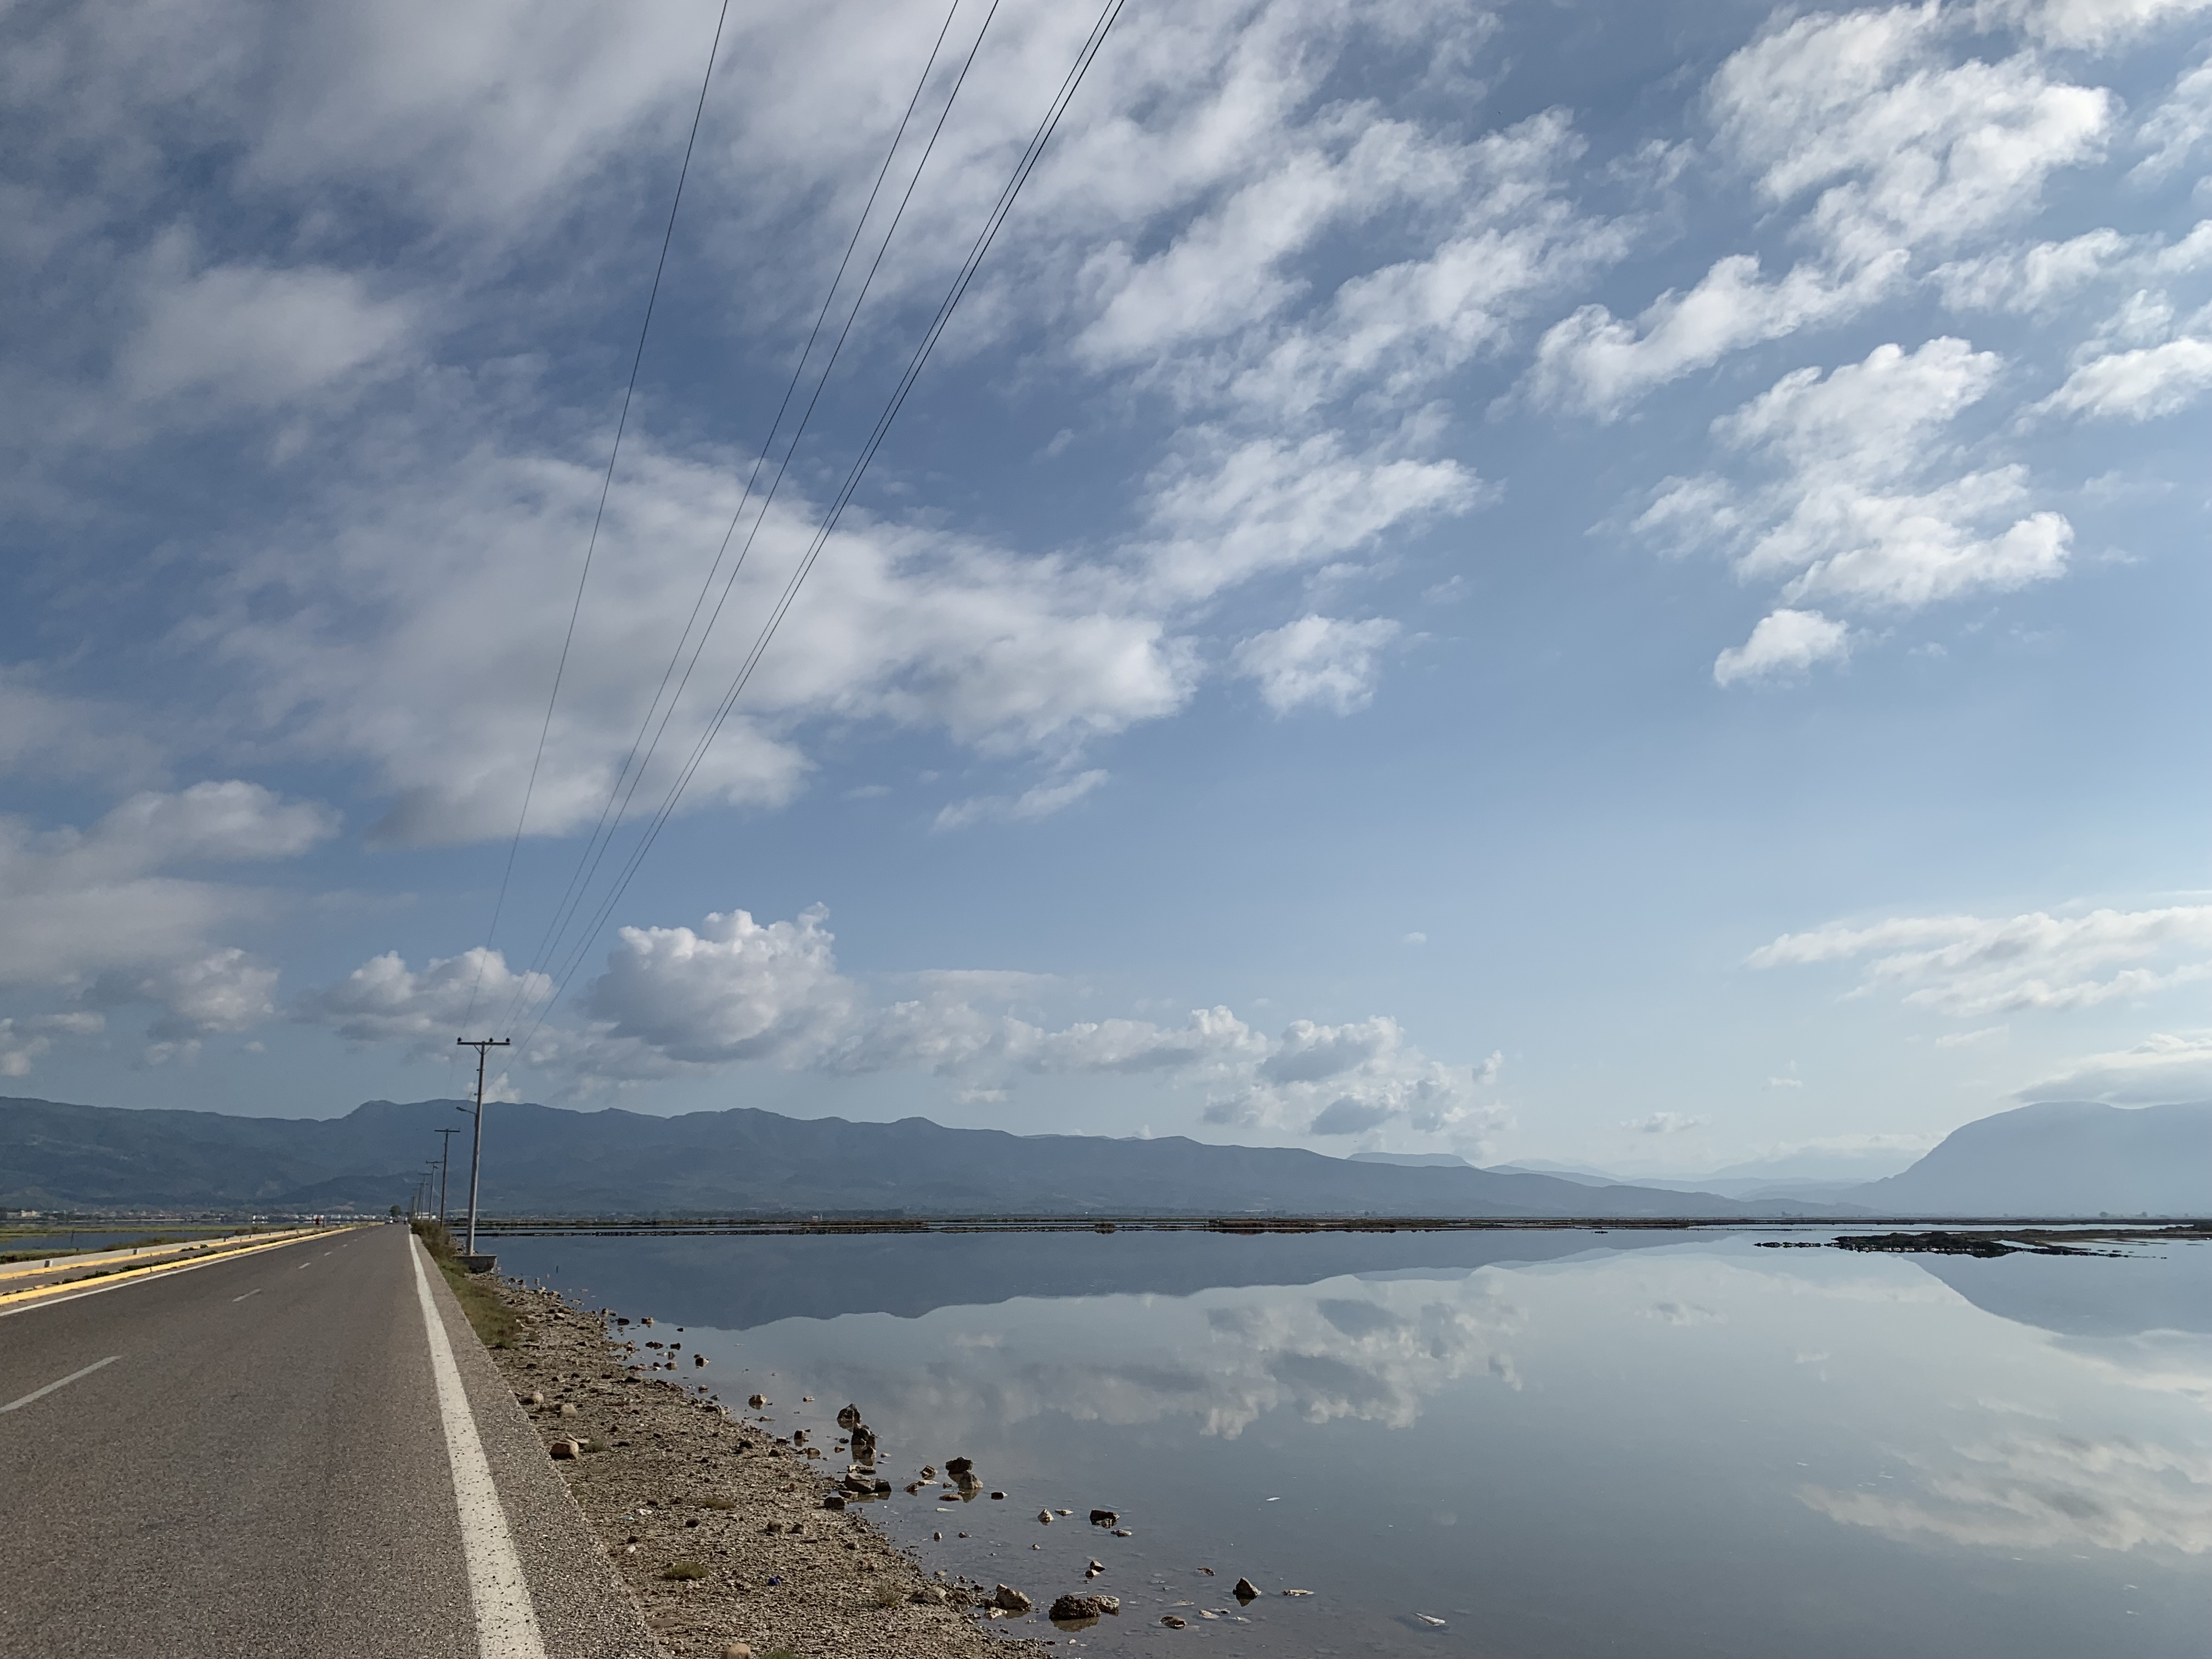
(1785, 643)
(1359, 1078)
(2040, 1488)
(1857, 512)
(677, 1001)
(385, 1003)
(734, 990)
(2164, 1067)
(225, 990)
(1971, 966)
(1317, 660)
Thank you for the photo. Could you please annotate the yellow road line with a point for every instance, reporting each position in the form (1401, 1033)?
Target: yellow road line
(63, 1261)
(108, 1281)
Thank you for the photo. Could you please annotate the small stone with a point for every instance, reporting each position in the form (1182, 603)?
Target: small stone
(533, 1397)
(959, 1466)
(835, 1500)
(1174, 1623)
(1208, 1571)
(1008, 1599)
(737, 1650)
(848, 1416)
(647, 1320)
(1297, 1592)
(1104, 1518)
(998, 1494)
(1245, 1591)
(566, 1450)
(1063, 1512)
(756, 1400)
(928, 1595)
(1073, 1607)
(698, 1358)
(929, 1471)
(568, 1408)
(948, 1497)
(912, 1487)
(1123, 1532)
(1430, 1620)
(1044, 1516)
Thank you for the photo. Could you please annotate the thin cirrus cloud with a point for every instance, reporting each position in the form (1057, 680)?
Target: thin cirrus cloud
(1972, 967)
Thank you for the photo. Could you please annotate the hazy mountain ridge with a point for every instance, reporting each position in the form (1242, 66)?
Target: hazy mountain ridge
(546, 1160)
(2070, 1157)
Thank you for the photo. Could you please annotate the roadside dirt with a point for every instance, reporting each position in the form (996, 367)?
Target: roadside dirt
(717, 1525)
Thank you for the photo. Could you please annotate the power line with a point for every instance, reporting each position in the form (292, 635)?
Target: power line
(633, 767)
(606, 484)
(993, 222)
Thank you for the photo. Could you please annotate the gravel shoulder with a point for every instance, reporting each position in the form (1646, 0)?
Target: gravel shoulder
(717, 1526)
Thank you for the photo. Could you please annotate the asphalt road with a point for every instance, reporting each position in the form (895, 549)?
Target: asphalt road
(250, 1458)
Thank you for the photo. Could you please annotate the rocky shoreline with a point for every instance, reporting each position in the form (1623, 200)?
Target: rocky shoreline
(734, 1540)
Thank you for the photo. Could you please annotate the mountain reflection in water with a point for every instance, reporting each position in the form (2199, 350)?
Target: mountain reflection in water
(1560, 1444)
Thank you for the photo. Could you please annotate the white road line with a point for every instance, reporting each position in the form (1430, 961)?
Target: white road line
(255, 1290)
(40, 1393)
(506, 1624)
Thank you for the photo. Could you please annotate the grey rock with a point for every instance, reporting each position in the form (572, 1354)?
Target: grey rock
(1009, 1600)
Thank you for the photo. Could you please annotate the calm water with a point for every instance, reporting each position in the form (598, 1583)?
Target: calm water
(1559, 1444)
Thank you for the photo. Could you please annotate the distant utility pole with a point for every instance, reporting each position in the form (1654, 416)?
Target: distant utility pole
(475, 1157)
(444, 1160)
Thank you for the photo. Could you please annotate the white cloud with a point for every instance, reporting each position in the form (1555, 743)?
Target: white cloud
(252, 335)
(2143, 385)
(23, 1041)
(1040, 801)
(1664, 1123)
(1906, 151)
(2039, 1489)
(386, 1002)
(2164, 1067)
(2173, 130)
(694, 1001)
(2090, 24)
(1785, 643)
(1315, 660)
(1972, 967)
(2035, 278)
(1594, 362)
(1908, 154)
(1853, 517)
(77, 903)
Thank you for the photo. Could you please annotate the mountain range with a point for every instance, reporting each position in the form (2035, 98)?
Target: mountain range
(2050, 1159)
(544, 1160)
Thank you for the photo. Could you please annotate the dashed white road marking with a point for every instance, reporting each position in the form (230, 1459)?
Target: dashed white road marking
(506, 1623)
(61, 1382)
(255, 1290)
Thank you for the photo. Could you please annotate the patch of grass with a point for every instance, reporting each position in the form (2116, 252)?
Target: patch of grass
(684, 1569)
(716, 1501)
(888, 1594)
(496, 1324)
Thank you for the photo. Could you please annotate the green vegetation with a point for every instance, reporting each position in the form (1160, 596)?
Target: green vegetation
(684, 1569)
(494, 1321)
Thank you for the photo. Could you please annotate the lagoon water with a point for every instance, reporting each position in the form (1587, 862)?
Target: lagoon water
(1660, 1445)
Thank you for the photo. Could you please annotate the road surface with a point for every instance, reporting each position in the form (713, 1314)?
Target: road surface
(303, 1451)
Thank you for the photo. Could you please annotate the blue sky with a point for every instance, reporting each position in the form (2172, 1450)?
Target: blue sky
(1614, 583)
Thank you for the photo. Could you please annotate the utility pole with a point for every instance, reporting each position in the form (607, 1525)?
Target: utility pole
(475, 1157)
(445, 1159)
